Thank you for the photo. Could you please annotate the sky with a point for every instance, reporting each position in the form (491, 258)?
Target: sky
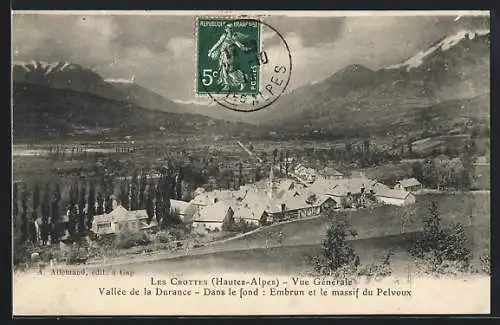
(159, 51)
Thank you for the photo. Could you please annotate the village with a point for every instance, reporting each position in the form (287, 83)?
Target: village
(303, 193)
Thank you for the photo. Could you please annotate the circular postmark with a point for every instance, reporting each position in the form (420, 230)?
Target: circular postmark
(250, 63)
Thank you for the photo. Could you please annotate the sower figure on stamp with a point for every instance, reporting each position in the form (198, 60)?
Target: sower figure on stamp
(225, 51)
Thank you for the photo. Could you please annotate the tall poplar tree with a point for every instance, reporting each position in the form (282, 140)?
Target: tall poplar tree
(36, 201)
(91, 205)
(123, 196)
(45, 228)
(24, 213)
(72, 218)
(100, 202)
(159, 205)
(55, 214)
(81, 212)
(149, 205)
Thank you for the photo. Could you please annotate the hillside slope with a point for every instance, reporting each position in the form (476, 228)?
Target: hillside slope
(457, 116)
(456, 67)
(46, 113)
(63, 75)
(72, 76)
(143, 97)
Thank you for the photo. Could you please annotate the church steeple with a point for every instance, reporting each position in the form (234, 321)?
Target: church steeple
(271, 185)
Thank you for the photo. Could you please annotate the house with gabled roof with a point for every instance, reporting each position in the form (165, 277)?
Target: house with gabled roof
(250, 214)
(212, 217)
(351, 190)
(395, 197)
(330, 173)
(185, 210)
(209, 198)
(121, 220)
(408, 184)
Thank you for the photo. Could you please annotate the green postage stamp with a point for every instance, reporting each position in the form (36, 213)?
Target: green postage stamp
(227, 56)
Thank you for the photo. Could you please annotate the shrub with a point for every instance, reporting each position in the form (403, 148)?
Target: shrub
(178, 232)
(241, 226)
(21, 253)
(347, 271)
(440, 250)
(164, 237)
(485, 264)
(127, 239)
(339, 259)
(338, 255)
(377, 270)
(430, 264)
(107, 240)
(77, 255)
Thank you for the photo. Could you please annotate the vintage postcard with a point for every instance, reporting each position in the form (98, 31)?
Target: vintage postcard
(250, 163)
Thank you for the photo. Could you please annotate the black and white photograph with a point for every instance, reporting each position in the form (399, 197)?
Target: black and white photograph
(284, 162)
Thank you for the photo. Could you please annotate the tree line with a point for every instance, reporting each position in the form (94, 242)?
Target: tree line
(364, 154)
(46, 216)
(445, 173)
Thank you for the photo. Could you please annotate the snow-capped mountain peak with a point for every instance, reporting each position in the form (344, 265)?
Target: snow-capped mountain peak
(120, 80)
(45, 67)
(443, 45)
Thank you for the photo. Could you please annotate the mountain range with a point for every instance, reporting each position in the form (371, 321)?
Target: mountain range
(72, 76)
(455, 67)
(444, 78)
(42, 113)
(66, 100)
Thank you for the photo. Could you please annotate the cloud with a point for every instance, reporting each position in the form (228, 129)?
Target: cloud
(150, 31)
(180, 46)
(160, 50)
(63, 38)
(312, 30)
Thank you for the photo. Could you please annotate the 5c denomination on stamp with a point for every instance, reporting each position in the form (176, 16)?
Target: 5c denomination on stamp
(236, 68)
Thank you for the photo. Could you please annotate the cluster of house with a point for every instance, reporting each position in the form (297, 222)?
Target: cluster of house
(304, 173)
(267, 202)
(256, 206)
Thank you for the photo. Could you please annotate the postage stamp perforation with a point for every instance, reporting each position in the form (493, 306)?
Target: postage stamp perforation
(237, 63)
(231, 45)
(202, 93)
